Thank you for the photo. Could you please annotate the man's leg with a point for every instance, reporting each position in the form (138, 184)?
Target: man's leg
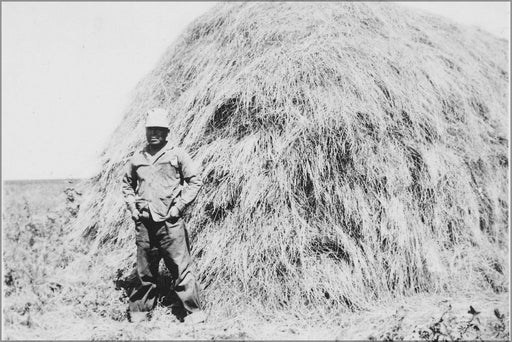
(174, 248)
(144, 297)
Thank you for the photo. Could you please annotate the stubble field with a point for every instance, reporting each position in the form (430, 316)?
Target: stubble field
(50, 292)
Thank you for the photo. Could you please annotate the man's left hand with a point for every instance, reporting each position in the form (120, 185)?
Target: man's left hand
(174, 212)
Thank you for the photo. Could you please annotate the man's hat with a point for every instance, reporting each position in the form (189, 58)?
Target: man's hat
(157, 117)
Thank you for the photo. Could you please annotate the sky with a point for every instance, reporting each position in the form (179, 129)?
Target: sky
(68, 69)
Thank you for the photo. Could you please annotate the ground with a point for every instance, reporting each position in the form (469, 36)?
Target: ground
(45, 297)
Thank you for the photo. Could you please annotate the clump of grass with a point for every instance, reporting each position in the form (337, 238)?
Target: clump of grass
(35, 223)
(450, 327)
(350, 151)
(500, 326)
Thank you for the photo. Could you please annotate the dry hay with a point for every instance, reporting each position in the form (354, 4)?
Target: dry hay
(350, 151)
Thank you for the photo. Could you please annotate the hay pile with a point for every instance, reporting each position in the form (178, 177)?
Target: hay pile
(350, 151)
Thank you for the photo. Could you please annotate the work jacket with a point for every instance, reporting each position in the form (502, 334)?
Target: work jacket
(169, 178)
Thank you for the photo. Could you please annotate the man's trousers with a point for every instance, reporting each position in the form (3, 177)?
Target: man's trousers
(167, 240)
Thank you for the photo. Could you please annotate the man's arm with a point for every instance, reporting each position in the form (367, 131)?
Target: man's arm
(192, 179)
(129, 184)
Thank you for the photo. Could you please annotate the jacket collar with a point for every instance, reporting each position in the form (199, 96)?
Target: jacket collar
(152, 159)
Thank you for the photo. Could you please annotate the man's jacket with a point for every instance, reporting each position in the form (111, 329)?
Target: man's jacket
(169, 178)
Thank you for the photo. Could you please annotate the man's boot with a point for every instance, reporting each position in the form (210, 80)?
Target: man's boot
(195, 317)
(138, 316)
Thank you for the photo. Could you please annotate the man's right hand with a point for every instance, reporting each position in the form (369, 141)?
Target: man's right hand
(174, 212)
(135, 215)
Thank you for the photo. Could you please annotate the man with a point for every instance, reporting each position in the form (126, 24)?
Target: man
(160, 181)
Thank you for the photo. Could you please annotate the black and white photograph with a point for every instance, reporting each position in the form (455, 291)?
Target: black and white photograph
(255, 170)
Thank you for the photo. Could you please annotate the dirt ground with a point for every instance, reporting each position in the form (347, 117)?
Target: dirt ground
(44, 299)
(387, 321)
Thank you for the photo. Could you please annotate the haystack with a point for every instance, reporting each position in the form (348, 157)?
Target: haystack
(350, 151)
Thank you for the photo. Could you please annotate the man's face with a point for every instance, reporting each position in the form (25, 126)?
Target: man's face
(156, 135)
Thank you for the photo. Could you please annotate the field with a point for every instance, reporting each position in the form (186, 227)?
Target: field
(50, 292)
